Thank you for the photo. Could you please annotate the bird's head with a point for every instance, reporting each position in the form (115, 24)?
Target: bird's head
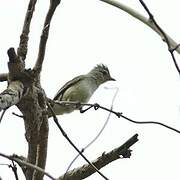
(101, 73)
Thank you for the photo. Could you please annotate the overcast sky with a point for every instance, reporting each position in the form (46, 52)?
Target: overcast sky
(84, 33)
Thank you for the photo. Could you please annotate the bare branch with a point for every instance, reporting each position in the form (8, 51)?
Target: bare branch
(72, 144)
(20, 116)
(143, 19)
(2, 115)
(23, 167)
(175, 48)
(15, 89)
(118, 114)
(3, 77)
(45, 34)
(86, 170)
(100, 132)
(11, 95)
(22, 49)
(29, 165)
(170, 49)
(33, 107)
(15, 65)
(14, 169)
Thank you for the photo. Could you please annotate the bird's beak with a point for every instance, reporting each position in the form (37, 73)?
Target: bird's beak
(112, 79)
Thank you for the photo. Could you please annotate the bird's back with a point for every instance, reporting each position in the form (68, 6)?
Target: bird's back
(69, 84)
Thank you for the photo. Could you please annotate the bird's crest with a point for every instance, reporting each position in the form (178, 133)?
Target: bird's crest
(101, 68)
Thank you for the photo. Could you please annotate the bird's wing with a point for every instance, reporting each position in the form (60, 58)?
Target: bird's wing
(70, 83)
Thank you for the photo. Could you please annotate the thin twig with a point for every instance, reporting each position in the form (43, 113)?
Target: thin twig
(173, 45)
(29, 165)
(118, 114)
(150, 122)
(141, 18)
(2, 115)
(170, 49)
(20, 116)
(99, 133)
(4, 164)
(14, 169)
(72, 144)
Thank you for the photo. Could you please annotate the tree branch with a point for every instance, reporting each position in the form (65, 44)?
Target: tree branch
(15, 65)
(45, 34)
(106, 158)
(170, 49)
(71, 143)
(143, 19)
(12, 95)
(26, 83)
(14, 169)
(99, 133)
(118, 114)
(23, 45)
(3, 77)
(15, 89)
(24, 163)
(35, 122)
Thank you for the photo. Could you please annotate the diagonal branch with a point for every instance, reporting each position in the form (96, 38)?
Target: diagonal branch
(45, 34)
(143, 19)
(72, 144)
(14, 169)
(170, 49)
(86, 170)
(22, 49)
(24, 163)
(99, 133)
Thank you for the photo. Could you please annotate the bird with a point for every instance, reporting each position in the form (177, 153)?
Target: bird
(80, 89)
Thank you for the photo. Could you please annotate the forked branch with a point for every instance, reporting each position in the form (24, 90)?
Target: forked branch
(143, 19)
(45, 34)
(23, 45)
(170, 49)
(172, 45)
(86, 170)
(26, 164)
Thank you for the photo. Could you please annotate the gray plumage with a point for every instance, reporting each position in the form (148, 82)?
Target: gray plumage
(81, 88)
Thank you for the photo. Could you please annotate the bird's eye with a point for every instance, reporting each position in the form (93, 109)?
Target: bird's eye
(104, 72)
